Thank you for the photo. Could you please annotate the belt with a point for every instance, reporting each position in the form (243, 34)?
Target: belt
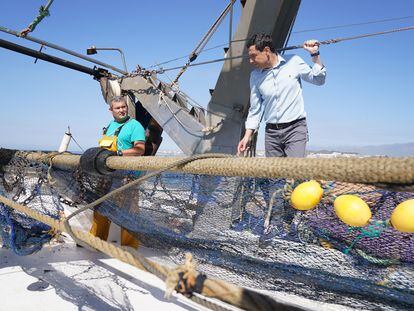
(279, 126)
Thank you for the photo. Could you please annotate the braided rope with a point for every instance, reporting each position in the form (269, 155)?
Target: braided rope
(386, 172)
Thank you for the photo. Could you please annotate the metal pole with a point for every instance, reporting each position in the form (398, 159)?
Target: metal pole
(230, 34)
(56, 47)
(116, 49)
(230, 25)
(47, 6)
(52, 59)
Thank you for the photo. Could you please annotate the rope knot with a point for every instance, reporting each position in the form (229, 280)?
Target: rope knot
(185, 279)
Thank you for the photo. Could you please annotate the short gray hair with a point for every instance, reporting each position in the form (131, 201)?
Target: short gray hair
(117, 99)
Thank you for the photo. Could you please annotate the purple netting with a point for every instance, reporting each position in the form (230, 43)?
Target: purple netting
(376, 239)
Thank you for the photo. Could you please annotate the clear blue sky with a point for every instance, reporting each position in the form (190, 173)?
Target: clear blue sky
(368, 98)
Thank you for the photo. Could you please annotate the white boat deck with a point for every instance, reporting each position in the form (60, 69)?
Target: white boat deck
(66, 277)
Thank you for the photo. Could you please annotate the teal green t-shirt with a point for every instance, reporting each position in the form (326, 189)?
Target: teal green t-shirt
(131, 132)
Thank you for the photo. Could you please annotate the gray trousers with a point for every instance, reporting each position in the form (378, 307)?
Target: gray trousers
(286, 141)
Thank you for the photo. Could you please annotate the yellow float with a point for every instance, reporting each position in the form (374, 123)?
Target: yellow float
(402, 218)
(352, 210)
(306, 195)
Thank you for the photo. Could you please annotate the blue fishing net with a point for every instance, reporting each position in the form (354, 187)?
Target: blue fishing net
(22, 234)
(25, 183)
(244, 230)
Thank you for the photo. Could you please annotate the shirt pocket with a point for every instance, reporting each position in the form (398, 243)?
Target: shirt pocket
(289, 80)
(288, 74)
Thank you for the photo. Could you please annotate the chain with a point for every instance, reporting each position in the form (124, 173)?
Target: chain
(141, 71)
(78, 177)
(9, 187)
(35, 191)
(19, 191)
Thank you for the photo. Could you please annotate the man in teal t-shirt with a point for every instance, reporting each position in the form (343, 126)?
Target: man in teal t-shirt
(130, 133)
(130, 142)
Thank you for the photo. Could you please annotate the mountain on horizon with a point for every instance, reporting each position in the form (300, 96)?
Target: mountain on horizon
(391, 150)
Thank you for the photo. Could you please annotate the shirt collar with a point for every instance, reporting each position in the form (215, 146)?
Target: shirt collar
(123, 121)
(280, 61)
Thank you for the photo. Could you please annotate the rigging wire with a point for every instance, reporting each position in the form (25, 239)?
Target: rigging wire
(200, 46)
(71, 135)
(355, 24)
(293, 32)
(293, 47)
(193, 103)
(190, 101)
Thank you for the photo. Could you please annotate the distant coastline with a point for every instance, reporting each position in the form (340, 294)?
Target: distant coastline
(389, 150)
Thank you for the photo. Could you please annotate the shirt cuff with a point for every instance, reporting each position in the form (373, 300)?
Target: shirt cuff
(316, 68)
(251, 125)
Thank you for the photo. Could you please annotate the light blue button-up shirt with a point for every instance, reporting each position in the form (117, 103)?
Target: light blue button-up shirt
(276, 93)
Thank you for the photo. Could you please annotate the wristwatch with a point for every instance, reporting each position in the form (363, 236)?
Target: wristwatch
(119, 153)
(315, 54)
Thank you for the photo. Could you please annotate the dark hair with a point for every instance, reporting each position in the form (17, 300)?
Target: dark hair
(260, 41)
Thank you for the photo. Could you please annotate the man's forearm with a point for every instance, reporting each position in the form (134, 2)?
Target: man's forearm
(248, 133)
(317, 60)
(134, 151)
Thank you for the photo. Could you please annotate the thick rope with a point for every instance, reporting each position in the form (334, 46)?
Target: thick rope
(43, 12)
(331, 41)
(386, 172)
(229, 293)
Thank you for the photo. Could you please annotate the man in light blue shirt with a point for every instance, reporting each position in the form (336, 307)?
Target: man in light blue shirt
(276, 96)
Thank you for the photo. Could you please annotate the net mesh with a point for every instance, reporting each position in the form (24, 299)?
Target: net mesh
(25, 182)
(242, 230)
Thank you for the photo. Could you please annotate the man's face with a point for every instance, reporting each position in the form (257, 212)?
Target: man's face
(259, 59)
(119, 110)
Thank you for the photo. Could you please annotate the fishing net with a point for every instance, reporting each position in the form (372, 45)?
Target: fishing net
(26, 182)
(242, 230)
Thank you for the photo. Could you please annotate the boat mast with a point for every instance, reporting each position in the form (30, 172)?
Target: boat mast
(229, 103)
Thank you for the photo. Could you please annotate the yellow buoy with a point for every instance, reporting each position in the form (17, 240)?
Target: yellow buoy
(352, 210)
(402, 218)
(306, 195)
